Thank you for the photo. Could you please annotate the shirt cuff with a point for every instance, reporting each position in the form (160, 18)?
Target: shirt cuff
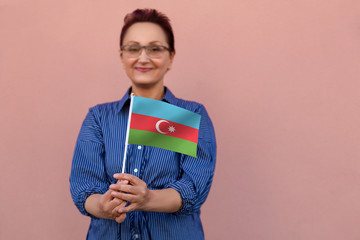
(81, 198)
(187, 193)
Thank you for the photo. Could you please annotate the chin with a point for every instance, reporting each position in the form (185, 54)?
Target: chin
(145, 81)
(145, 84)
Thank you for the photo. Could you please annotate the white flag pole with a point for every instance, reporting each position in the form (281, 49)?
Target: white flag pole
(127, 132)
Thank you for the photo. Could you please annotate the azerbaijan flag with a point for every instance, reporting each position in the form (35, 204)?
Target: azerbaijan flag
(163, 125)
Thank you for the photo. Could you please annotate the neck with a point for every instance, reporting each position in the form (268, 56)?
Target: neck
(154, 92)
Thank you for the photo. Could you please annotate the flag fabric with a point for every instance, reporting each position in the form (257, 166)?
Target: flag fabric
(163, 125)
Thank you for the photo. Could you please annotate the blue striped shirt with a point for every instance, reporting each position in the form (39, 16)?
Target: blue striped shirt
(98, 155)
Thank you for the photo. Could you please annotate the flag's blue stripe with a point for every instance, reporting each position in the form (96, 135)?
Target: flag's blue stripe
(163, 110)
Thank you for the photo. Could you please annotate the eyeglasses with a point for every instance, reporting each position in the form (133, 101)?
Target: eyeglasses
(152, 51)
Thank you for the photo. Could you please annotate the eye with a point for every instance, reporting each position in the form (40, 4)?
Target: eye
(155, 48)
(133, 48)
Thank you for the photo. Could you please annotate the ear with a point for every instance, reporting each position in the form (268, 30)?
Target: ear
(121, 58)
(172, 56)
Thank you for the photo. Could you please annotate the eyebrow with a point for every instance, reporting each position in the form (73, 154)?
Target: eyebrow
(153, 42)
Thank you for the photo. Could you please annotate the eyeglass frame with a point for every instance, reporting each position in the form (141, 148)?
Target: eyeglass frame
(145, 47)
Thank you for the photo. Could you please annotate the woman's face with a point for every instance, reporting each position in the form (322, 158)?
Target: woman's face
(144, 71)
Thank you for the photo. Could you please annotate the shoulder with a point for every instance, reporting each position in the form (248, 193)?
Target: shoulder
(105, 111)
(207, 132)
(105, 108)
(189, 105)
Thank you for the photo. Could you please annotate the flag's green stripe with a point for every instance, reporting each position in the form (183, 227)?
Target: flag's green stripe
(141, 137)
(163, 110)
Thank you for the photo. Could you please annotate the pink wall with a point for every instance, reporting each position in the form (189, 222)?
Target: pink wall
(279, 78)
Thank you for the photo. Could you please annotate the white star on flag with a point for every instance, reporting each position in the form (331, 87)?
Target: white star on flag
(171, 129)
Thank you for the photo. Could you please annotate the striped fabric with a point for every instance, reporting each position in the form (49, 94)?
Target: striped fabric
(98, 155)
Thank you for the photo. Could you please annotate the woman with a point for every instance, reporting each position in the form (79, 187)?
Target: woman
(161, 192)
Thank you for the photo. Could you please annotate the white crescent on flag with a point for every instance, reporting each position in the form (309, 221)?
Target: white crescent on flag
(158, 126)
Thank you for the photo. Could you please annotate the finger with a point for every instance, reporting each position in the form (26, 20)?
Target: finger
(129, 177)
(109, 206)
(115, 202)
(116, 186)
(123, 182)
(120, 204)
(123, 188)
(114, 205)
(115, 212)
(130, 208)
(125, 196)
(120, 218)
(107, 203)
(123, 204)
(107, 196)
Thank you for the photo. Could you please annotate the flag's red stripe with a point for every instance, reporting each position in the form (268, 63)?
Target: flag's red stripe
(148, 123)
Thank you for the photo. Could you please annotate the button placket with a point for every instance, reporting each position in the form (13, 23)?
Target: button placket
(138, 159)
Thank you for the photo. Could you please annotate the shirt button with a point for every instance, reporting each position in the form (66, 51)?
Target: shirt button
(136, 236)
(135, 170)
(139, 147)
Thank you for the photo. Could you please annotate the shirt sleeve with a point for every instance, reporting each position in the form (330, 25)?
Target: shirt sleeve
(88, 175)
(197, 173)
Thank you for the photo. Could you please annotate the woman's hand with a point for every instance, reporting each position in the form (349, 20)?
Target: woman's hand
(141, 198)
(105, 205)
(135, 192)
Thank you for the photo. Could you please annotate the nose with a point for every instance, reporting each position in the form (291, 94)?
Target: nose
(143, 57)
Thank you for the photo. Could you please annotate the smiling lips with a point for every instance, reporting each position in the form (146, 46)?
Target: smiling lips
(142, 69)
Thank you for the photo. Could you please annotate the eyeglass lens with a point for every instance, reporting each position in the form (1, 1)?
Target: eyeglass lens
(152, 51)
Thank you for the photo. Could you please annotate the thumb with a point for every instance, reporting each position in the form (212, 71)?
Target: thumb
(107, 195)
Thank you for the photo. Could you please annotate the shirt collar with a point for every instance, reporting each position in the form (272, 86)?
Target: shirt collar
(168, 97)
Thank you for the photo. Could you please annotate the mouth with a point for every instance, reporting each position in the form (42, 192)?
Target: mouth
(142, 69)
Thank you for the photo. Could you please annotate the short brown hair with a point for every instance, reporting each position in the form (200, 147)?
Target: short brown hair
(153, 16)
